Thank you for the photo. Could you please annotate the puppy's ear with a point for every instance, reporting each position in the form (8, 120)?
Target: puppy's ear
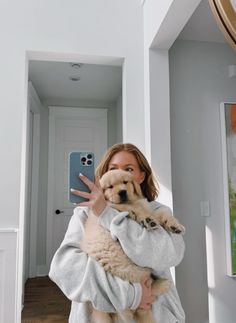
(137, 189)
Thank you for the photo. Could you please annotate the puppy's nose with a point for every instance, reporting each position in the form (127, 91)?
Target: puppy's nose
(123, 195)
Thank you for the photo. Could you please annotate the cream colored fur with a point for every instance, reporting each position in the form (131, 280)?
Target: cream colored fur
(125, 194)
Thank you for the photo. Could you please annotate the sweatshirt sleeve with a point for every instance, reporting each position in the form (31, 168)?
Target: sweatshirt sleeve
(157, 249)
(82, 279)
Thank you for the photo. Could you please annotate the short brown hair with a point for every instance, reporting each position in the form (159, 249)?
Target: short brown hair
(149, 186)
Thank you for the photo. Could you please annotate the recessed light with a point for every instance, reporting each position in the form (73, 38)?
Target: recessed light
(74, 78)
(76, 65)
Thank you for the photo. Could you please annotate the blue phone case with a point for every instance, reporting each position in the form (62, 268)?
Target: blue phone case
(80, 162)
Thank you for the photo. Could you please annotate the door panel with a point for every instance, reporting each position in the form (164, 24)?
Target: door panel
(70, 129)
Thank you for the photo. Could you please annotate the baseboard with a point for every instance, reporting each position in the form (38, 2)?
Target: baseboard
(42, 270)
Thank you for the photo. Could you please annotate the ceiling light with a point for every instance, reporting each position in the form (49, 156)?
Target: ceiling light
(76, 65)
(74, 78)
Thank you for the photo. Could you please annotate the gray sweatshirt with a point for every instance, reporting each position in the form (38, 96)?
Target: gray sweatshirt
(82, 279)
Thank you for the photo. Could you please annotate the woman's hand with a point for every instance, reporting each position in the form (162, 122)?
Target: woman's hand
(96, 201)
(147, 298)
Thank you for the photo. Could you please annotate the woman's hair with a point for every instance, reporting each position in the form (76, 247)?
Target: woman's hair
(149, 186)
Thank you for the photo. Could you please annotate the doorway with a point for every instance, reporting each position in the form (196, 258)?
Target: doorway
(65, 93)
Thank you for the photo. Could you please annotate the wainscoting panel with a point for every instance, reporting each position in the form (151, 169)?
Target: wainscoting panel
(8, 275)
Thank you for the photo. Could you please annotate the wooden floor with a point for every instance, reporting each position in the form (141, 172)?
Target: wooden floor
(44, 302)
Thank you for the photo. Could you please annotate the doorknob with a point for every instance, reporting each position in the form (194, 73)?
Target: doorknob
(59, 212)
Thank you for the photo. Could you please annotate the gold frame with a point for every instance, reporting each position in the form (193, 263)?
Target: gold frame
(226, 18)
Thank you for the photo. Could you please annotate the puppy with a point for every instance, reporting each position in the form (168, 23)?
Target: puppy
(124, 194)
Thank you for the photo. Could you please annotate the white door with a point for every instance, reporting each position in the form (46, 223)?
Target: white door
(70, 129)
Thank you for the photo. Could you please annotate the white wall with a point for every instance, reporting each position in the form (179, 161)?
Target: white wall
(199, 82)
(92, 27)
(81, 27)
(163, 20)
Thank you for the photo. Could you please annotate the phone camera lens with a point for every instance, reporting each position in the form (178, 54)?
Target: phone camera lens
(83, 159)
(89, 156)
(89, 162)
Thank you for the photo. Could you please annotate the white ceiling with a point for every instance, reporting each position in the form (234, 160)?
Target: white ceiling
(202, 26)
(97, 82)
(102, 83)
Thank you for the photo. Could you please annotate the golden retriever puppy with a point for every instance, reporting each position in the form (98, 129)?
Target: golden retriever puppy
(124, 194)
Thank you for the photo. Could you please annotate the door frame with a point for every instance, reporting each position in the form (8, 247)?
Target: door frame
(54, 57)
(34, 106)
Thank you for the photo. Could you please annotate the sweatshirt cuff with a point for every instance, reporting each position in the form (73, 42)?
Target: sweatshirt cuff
(110, 215)
(137, 296)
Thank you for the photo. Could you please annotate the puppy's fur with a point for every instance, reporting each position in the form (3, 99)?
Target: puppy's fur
(124, 194)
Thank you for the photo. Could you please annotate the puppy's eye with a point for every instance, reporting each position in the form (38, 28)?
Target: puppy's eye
(111, 186)
(125, 182)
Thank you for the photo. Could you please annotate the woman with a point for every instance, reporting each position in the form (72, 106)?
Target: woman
(83, 280)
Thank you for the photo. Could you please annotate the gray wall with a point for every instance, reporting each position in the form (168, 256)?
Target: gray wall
(199, 82)
(119, 119)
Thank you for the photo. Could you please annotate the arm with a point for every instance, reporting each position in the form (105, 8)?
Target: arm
(156, 249)
(82, 279)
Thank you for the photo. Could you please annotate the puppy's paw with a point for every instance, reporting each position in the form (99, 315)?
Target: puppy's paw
(149, 223)
(172, 224)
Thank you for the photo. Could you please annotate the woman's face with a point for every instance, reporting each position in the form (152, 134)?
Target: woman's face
(126, 161)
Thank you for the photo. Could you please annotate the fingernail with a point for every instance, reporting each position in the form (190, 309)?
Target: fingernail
(80, 174)
(72, 190)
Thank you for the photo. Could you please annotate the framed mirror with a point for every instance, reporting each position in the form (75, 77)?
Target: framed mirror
(225, 14)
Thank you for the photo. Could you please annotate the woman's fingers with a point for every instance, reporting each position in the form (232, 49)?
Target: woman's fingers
(95, 199)
(87, 181)
(84, 204)
(86, 195)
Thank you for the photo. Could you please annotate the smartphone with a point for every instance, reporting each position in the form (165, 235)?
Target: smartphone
(80, 162)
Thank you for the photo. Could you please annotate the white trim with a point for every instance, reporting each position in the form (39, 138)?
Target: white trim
(34, 196)
(72, 111)
(75, 57)
(9, 230)
(10, 258)
(23, 183)
(51, 154)
(35, 106)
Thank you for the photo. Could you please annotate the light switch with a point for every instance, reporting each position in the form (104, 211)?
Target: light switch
(205, 208)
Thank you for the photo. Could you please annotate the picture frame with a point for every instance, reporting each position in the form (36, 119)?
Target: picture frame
(228, 141)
